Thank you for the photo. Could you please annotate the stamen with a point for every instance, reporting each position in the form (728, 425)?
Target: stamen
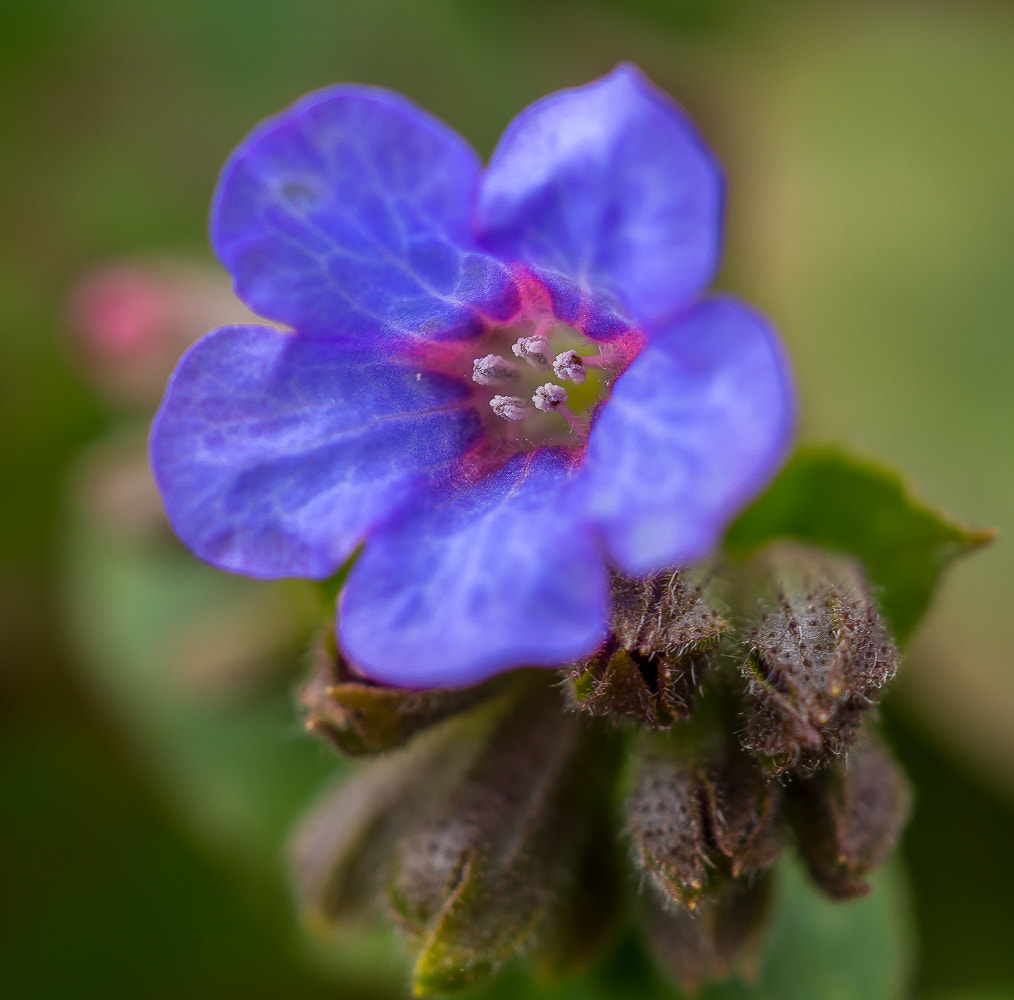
(494, 370)
(569, 367)
(534, 350)
(549, 397)
(511, 407)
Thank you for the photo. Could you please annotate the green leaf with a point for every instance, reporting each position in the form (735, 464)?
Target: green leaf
(833, 499)
(861, 950)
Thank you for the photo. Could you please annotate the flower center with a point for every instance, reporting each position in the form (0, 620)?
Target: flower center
(541, 380)
(535, 380)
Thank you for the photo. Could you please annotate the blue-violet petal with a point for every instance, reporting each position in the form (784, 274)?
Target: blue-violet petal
(497, 576)
(611, 187)
(695, 427)
(348, 215)
(275, 454)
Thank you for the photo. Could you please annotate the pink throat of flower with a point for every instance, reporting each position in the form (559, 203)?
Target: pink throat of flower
(534, 380)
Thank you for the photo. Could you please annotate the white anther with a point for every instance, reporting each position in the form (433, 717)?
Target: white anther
(511, 407)
(494, 370)
(549, 396)
(534, 350)
(569, 366)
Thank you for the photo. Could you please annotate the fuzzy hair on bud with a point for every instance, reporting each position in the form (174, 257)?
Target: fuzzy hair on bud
(698, 819)
(666, 827)
(818, 653)
(663, 630)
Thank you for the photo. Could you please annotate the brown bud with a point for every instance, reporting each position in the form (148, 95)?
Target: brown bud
(360, 717)
(723, 935)
(662, 631)
(818, 654)
(665, 821)
(693, 825)
(847, 818)
(340, 852)
(743, 813)
(479, 880)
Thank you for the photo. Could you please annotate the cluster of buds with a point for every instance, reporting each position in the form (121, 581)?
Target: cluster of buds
(725, 719)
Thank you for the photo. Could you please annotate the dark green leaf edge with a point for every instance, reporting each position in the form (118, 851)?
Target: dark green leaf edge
(831, 498)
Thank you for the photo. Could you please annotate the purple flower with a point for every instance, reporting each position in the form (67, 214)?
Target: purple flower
(498, 382)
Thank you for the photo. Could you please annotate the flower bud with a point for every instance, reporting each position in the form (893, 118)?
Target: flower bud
(340, 852)
(818, 653)
(694, 826)
(130, 320)
(663, 629)
(488, 871)
(360, 717)
(665, 821)
(847, 818)
(722, 935)
(743, 813)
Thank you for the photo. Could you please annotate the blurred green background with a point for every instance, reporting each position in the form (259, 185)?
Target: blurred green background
(150, 756)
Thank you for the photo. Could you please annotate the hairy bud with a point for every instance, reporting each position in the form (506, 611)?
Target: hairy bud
(665, 822)
(663, 629)
(484, 875)
(743, 812)
(694, 825)
(706, 945)
(818, 654)
(847, 818)
(340, 852)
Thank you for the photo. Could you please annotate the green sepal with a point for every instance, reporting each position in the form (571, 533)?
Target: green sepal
(328, 590)
(361, 718)
(830, 498)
